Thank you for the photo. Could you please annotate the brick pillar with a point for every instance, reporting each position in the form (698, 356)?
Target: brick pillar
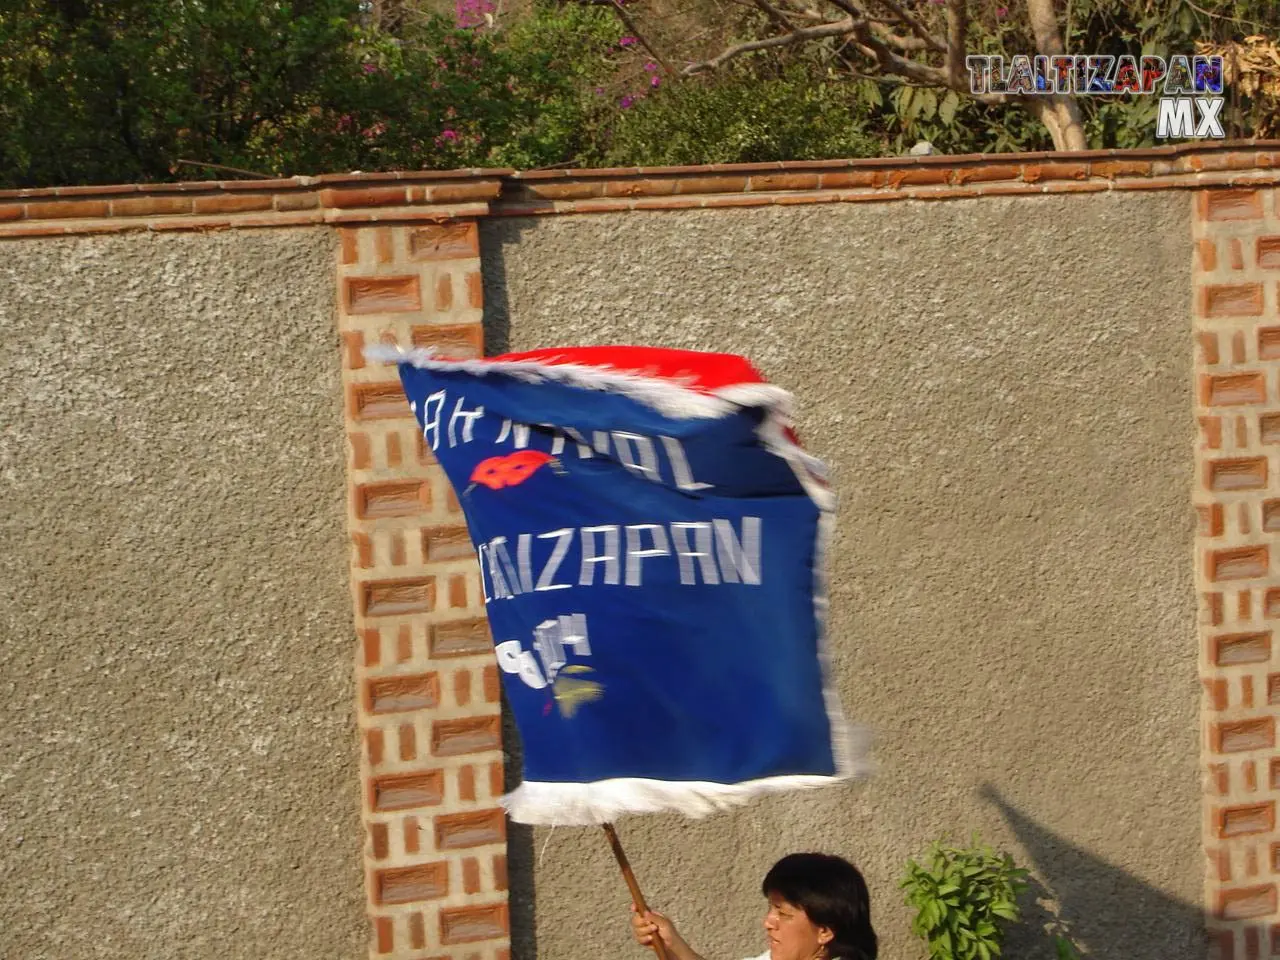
(435, 845)
(1237, 285)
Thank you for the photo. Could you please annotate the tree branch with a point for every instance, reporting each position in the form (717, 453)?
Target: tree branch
(774, 14)
(916, 26)
(957, 31)
(224, 169)
(890, 62)
(627, 21)
(905, 44)
(868, 38)
(837, 28)
(809, 13)
(778, 8)
(855, 12)
(816, 15)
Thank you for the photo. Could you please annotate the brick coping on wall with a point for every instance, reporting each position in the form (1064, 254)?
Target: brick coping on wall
(436, 196)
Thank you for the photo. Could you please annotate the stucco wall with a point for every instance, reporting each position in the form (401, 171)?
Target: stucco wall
(178, 760)
(1003, 389)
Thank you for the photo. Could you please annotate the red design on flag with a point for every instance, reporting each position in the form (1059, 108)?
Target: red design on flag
(509, 471)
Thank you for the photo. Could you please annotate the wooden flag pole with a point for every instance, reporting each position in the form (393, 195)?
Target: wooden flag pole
(637, 897)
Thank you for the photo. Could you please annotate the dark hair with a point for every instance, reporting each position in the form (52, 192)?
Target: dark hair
(832, 894)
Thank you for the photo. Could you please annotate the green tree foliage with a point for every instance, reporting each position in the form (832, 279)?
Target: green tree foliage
(738, 119)
(102, 91)
(109, 91)
(439, 97)
(112, 90)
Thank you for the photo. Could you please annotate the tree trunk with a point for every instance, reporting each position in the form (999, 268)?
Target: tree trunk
(1061, 116)
(1059, 113)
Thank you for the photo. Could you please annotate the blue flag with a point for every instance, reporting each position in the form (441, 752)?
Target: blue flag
(650, 539)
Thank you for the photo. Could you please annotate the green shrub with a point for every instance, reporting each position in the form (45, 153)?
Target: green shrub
(737, 118)
(963, 898)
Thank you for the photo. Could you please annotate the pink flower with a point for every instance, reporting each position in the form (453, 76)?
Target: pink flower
(368, 68)
(627, 42)
(1001, 12)
(627, 101)
(471, 13)
(650, 67)
(449, 135)
(655, 81)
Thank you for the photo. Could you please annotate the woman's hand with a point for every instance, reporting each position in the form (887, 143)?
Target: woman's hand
(646, 926)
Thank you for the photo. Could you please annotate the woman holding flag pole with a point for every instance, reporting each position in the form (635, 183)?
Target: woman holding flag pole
(819, 909)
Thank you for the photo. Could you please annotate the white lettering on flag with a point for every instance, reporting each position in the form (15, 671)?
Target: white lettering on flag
(584, 450)
(546, 581)
(431, 408)
(680, 466)
(498, 548)
(518, 433)
(589, 555)
(551, 637)
(739, 558)
(484, 587)
(637, 454)
(709, 552)
(468, 418)
(636, 553)
(500, 589)
(701, 552)
(512, 659)
(524, 547)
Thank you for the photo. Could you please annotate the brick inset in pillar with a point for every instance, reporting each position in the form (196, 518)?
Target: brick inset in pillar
(1236, 347)
(430, 830)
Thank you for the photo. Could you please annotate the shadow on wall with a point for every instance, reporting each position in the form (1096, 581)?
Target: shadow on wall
(521, 903)
(520, 862)
(497, 304)
(1099, 907)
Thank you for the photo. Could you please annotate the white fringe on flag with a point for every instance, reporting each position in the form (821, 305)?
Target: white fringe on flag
(606, 801)
(584, 804)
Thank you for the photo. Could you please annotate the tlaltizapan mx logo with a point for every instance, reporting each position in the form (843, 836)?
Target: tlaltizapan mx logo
(1189, 87)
